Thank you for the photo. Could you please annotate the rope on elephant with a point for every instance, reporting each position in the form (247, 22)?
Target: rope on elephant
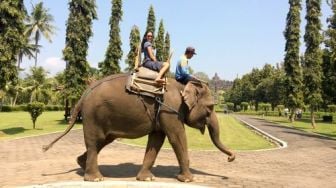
(158, 99)
(146, 108)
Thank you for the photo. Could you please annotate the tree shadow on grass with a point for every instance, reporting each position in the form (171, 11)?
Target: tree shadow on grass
(14, 130)
(62, 122)
(313, 135)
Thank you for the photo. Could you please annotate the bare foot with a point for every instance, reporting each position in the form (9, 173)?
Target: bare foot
(160, 81)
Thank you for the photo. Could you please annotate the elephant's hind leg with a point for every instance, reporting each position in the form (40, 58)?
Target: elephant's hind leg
(81, 160)
(92, 172)
(154, 144)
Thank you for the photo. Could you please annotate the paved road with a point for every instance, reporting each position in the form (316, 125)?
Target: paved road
(308, 161)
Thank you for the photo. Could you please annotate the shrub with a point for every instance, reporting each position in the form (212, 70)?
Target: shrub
(280, 109)
(332, 108)
(230, 106)
(265, 107)
(53, 107)
(35, 109)
(244, 105)
(7, 108)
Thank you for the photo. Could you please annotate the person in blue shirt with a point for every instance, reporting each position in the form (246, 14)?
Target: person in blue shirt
(182, 73)
(150, 60)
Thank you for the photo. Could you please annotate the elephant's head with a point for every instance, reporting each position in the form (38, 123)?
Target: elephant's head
(198, 98)
(200, 103)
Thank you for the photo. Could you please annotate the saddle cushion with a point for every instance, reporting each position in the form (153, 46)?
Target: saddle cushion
(146, 73)
(144, 86)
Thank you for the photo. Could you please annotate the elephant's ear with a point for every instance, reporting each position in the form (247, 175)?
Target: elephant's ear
(189, 95)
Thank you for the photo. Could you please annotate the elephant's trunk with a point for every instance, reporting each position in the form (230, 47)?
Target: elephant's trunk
(214, 134)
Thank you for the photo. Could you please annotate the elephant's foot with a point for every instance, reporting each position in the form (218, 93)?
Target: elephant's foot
(93, 177)
(81, 161)
(185, 177)
(145, 176)
(231, 158)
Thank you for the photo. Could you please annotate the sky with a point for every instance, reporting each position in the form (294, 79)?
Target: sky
(230, 37)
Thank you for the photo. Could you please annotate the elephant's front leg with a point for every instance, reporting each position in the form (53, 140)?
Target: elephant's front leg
(178, 140)
(154, 144)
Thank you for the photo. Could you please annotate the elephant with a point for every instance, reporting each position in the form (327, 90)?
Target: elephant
(110, 112)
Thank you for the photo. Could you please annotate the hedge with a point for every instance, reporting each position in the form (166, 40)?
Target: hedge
(6, 108)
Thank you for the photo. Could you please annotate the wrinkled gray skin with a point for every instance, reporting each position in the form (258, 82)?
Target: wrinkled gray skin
(110, 112)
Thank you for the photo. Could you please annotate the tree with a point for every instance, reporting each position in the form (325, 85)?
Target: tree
(234, 96)
(114, 52)
(78, 33)
(159, 42)
(28, 49)
(134, 47)
(166, 51)
(329, 59)
(40, 23)
(36, 83)
(312, 72)
(151, 20)
(202, 75)
(35, 109)
(292, 67)
(12, 14)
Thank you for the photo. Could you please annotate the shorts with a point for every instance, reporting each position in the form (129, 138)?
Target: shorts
(184, 81)
(153, 65)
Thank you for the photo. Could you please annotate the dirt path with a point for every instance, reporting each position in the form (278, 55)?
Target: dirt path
(308, 161)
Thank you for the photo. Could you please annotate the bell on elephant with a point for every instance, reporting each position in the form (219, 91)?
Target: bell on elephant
(110, 112)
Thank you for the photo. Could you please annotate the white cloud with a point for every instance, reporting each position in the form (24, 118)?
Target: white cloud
(54, 65)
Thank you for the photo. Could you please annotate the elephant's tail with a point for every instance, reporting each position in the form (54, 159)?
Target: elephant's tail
(70, 126)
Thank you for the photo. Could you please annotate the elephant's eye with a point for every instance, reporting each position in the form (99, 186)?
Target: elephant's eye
(210, 109)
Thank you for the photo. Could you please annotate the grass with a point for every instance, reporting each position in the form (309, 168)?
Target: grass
(232, 133)
(19, 124)
(323, 128)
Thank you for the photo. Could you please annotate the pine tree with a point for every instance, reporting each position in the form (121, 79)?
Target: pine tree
(114, 52)
(12, 14)
(312, 72)
(151, 20)
(159, 42)
(292, 60)
(166, 51)
(329, 60)
(78, 33)
(134, 45)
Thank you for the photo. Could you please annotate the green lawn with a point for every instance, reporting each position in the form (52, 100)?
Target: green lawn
(323, 128)
(19, 124)
(233, 134)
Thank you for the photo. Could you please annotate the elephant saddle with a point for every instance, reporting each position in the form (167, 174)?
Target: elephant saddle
(142, 82)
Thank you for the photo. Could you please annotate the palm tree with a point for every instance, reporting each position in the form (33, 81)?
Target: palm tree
(36, 83)
(28, 49)
(40, 23)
